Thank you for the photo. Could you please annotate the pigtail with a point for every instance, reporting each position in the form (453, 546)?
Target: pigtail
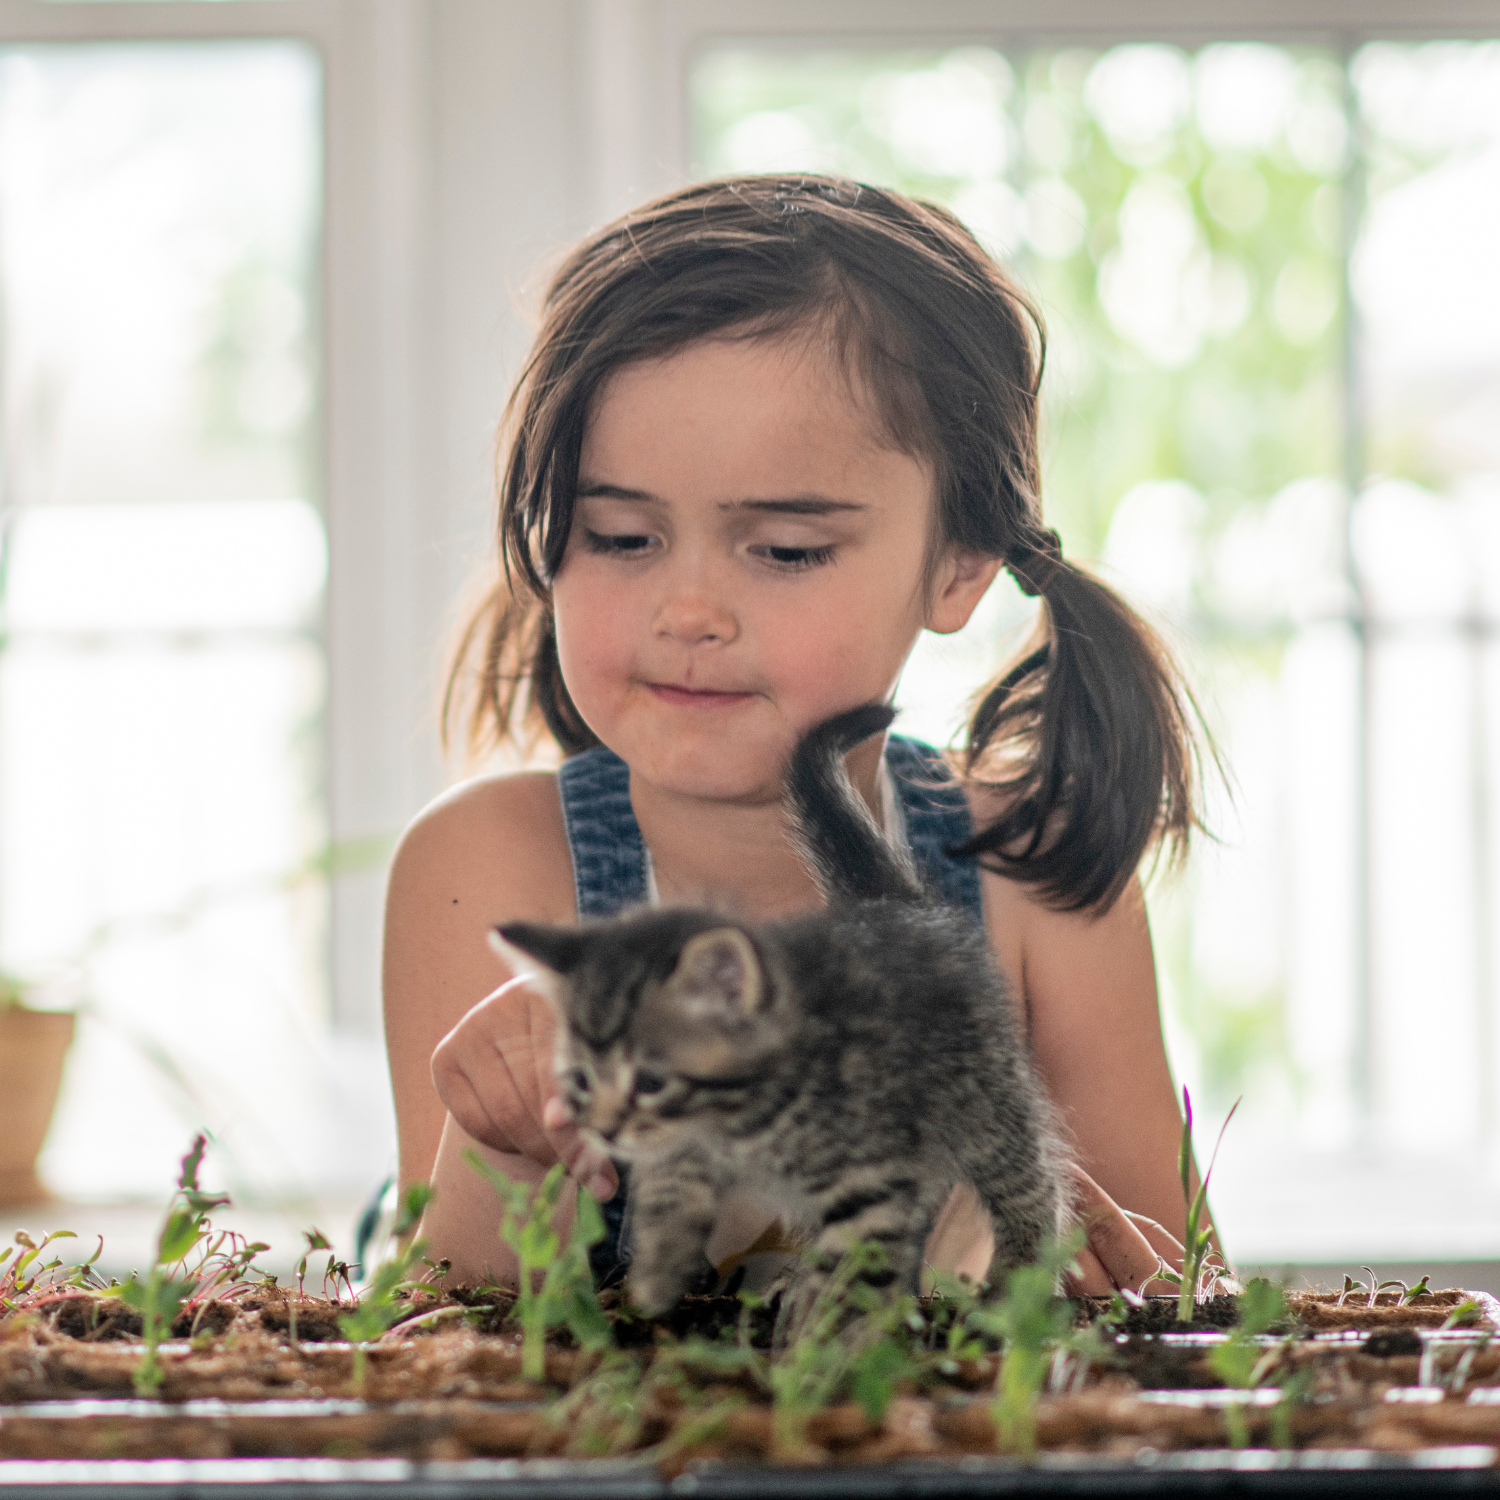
(1092, 737)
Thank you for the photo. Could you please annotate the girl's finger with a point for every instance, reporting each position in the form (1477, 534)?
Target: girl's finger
(1086, 1277)
(469, 1077)
(463, 1103)
(1121, 1248)
(590, 1165)
(1153, 1228)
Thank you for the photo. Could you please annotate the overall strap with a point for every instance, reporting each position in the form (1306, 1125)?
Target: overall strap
(937, 820)
(609, 875)
(609, 855)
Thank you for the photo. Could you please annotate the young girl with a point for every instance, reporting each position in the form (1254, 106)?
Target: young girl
(771, 430)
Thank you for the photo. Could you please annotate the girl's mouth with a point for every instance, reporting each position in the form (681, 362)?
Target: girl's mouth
(696, 697)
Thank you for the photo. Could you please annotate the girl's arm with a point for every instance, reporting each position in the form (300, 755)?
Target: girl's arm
(1089, 986)
(492, 850)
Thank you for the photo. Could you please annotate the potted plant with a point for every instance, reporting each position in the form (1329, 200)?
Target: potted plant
(33, 1044)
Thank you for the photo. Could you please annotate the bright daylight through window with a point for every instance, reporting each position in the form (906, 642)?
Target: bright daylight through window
(1307, 495)
(161, 670)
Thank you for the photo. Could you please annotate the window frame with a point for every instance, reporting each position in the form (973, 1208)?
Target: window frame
(466, 144)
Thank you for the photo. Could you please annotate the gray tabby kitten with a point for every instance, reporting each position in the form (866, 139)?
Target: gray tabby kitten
(852, 1064)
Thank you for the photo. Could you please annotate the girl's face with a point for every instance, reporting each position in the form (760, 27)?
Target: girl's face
(747, 559)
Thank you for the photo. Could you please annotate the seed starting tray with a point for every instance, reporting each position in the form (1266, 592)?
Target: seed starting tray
(1401, 1408)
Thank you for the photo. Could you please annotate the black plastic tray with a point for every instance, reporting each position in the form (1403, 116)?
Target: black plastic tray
(1333, 1472)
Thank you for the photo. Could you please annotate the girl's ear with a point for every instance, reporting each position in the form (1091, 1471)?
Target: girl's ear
(963, 575)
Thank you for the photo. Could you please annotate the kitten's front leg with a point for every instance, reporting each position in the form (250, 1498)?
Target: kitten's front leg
(889, 1207)
(673, 1204)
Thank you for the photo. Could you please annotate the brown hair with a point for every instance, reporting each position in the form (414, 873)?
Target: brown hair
(1090, 735)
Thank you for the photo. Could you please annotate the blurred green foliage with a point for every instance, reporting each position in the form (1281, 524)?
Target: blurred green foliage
(1187, 253)
(1192, 292)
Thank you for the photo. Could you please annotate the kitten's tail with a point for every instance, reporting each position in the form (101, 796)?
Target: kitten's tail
(841, 842)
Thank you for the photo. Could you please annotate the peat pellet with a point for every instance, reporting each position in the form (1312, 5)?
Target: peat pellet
(498, 1434)
(839, 1426)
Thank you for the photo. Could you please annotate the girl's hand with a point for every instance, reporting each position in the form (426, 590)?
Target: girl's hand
(1119, 1254)
(493, 1071)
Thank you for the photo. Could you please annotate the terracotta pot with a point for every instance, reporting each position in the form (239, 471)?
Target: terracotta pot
(33, 1044)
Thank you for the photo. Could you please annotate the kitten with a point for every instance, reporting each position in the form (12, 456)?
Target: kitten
(851, 1064)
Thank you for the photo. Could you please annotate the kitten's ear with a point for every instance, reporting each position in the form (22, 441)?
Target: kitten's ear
(721, 970)
(544, 954)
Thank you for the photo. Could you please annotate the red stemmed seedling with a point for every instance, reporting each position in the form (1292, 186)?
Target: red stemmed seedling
(160, 1297)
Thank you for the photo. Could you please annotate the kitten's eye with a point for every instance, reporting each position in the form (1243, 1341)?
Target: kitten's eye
(649, 1083)
(578, 1081)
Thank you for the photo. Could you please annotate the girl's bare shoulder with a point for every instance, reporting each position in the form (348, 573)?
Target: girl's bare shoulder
(497, 841)
(1023, 926)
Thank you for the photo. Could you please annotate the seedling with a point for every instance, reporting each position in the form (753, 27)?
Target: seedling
(160, 1297)
(316, 1240)
(378, 1308)
(1239, 1361)
(1197, 1278)
(852, 1340)
(556, 1282)
(26, 1279)
(1032, 1322)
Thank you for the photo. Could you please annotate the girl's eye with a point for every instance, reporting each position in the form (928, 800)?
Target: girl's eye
(649, 1083)
(613, 544)
(796, 559)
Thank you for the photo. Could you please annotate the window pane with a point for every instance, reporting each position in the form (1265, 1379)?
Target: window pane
(158, 239)
(161, 676)
(1426, 528)
(1185, 219)
(1178, 216)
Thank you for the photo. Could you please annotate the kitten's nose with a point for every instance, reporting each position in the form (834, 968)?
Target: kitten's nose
(610, 1110)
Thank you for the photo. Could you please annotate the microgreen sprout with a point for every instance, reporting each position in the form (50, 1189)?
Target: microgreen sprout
(1240, 1361)
(1032, 1322)
(161, 1295)
(555, 1283)
(316, 1240)
(378, 1308)
(1465, 1315)
(26, 1279)
(1198, 1277)
(1411, 1293)
(851, 1340)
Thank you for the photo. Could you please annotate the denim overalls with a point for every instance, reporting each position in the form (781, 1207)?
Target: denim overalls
(610, 867)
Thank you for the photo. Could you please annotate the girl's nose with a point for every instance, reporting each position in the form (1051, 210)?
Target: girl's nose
(694, 617)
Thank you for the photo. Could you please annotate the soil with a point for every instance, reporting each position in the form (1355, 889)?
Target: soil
(445, 1383)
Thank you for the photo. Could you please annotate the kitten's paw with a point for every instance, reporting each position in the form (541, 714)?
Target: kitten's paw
(658, 1290)
(703, 1282)
(653, 1292)
(798, 1295)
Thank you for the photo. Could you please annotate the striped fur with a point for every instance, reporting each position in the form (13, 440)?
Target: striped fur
(852, 1064)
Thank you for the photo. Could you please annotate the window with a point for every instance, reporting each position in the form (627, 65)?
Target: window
(1273, 417)
(162, 668)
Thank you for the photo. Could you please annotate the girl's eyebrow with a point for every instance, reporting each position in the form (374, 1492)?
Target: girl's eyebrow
(793, 505)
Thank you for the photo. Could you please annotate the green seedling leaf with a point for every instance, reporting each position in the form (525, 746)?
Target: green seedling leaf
(379, 1306)
(160, 1297)
(556, 1280)
(1419, 1290)
(1238, 1359)
(875, 1373)
(1031, 1322)
(179, 1235)
(1197, 1242)
(1465, 1315)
